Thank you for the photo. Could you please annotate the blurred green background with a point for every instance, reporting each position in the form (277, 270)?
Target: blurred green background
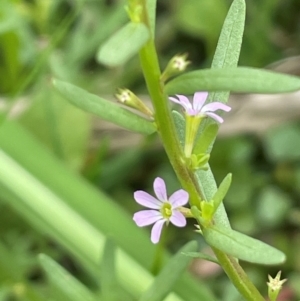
(45, 39)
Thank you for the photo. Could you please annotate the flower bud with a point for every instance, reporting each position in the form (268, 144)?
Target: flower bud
(176, 65)
(129, 99)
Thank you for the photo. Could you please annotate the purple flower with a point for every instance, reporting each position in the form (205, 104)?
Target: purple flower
(163, 209)
(198, 108)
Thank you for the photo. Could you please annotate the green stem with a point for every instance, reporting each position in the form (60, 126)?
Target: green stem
(164, 121)
(238, 276)
(167, 132)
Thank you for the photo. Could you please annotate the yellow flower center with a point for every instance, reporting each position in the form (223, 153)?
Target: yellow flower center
(166, 210)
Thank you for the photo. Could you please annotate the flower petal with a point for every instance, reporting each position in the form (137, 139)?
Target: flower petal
(214, 106)
(156, 231)
(215, 117)
(183, 101)
(146, 217)
(179, 198)
(160, 189)
(145, 199)
(178, 219)
(199, 100)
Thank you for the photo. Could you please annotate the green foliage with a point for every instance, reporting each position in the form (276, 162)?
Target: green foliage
(240, 79)
(129, 39)
(222, 191)
(201, 19)
(201, 256)
(55, 116)
(44, 199)
(229, 44)
(282, 143)
(273, 206)
(206, 139)
(108, 280)
(151, 9)
(39, 195)
(242, 246)
(104, 108)
(167, 278)
(68, 287)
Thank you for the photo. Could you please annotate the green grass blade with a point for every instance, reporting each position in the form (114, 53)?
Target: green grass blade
(64, 282)
(89, 208)
(45, 210)
(108, 280)
(166, 279)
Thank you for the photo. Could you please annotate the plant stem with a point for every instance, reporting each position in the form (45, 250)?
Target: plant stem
(167, 132)
(238, 276)
(164, 121)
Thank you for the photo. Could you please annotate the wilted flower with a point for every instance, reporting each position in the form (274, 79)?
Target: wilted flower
(163, 209)
(197, 108)
(275, 286)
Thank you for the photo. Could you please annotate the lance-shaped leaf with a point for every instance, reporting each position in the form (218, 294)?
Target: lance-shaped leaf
(180, 126)
(229, 44)
(242, 246)
(201, 256)
(222, 191)
(68, 286)
(166, 279)
(239, 79)
(105, 109)
(226, 55)
(230, 41)
(123, 45)
(207, 136)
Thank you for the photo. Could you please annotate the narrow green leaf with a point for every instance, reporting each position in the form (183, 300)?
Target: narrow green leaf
(123, 45)
(151, 9)
(62, 280)
(164, 282)
(206, 139)
(222, 191)
(229, 44)
(226, 55)
(242, 246)
(239, 79)
(105, 109)
(201, 256)
(108, 281)
(230, 40)
(180, 126)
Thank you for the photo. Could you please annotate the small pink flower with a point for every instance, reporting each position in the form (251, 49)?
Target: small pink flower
(198, 108)
(165, 209)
